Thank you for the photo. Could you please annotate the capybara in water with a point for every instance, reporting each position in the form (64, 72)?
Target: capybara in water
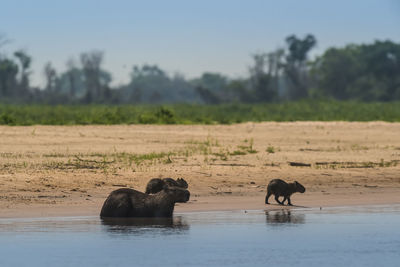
(155, 185)
(126, 202)
(279, 188)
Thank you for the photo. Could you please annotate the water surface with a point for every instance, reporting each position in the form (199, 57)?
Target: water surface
(358, 236)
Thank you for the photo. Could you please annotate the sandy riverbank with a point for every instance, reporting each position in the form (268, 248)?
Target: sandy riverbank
(69, 170)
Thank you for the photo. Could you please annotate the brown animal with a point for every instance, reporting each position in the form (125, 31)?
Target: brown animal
(126, 202)
(155, 185)
(279, 188)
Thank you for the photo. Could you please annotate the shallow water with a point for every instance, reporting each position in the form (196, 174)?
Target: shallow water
(358, 236)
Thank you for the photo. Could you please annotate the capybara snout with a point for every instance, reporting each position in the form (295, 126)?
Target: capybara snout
(300, 188)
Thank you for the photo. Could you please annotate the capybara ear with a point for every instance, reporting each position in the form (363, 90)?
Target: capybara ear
(296, 182)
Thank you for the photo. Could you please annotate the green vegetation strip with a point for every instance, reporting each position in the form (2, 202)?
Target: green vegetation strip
(198, 114)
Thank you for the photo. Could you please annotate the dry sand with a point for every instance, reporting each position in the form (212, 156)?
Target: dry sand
(70, 170)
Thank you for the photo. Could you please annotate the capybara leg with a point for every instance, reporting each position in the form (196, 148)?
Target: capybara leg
(284, 199)
(267, 197)
(289, 203)
(277, 200)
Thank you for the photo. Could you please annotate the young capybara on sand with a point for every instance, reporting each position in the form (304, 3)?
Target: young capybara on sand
(126, 202)
(155, 185)
(279, 188)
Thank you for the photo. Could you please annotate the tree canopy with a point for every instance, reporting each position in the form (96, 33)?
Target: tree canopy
(362, 72)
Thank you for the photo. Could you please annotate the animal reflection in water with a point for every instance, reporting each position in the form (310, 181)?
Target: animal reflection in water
(284, 216)
(145, 225)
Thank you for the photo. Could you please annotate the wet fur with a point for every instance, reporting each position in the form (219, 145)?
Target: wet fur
(280, 188)
(155, 185)
(126, 202)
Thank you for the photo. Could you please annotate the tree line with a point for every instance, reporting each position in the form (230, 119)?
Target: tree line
(362, 72)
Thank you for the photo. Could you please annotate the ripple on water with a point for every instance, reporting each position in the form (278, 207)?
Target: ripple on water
(356, 236)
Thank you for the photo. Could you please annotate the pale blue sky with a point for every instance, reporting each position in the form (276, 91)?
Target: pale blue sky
(186, 36)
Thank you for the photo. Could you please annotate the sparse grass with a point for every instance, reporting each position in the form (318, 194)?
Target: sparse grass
(168, 160)
(223, 154)
(109, 162)
(96, 160)
(353, 147)
(137, 159)
(329, 149)
(364, 164)
(9, 155)
(270, 149)
(209, 142)
(238, 153)
(248, 148)
(55, 155)
(357, 147)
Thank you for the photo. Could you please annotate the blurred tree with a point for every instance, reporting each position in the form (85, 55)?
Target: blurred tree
(8, 73)
(334, 71)
(91, 62)
(265, 75)
(207, 95)
(295, 66)
(239, 91)
(96, 80)
(72, 74)
(150, 84)
(25, 62)
(72, 82)
(366, 72)
(275, 67)
(215, 82)
(382, 61)
(50, 74)
(8, 77)
(363, 72)
(261, 77)
(211, 87)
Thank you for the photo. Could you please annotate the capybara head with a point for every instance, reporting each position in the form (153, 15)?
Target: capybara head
(182, 183)
(177, 193)
(299, 187)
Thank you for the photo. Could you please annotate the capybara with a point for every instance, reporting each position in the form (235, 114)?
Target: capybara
(126, 202)
(155, 185)
(279, 188)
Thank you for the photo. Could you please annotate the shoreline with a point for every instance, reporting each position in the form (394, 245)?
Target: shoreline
(211, 204)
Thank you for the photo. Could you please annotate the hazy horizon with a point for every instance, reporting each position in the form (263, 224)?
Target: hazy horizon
(185, 37)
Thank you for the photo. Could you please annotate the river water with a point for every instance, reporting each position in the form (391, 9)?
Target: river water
(357, 236)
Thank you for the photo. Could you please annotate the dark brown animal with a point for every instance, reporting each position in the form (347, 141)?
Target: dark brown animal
(155, 185)
(126, 202)
(279, 188)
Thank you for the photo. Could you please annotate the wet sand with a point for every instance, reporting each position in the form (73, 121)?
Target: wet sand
(70, 170)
